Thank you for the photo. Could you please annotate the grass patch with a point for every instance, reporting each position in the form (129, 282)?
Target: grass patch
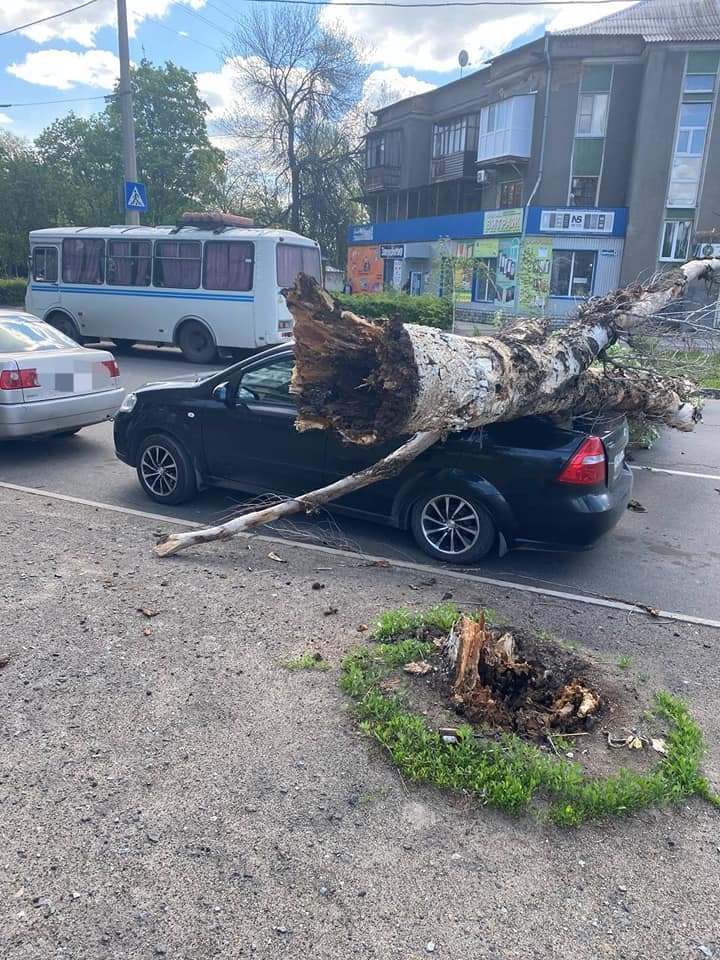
(510, 773)
(623, 663)
(307, 661)
(400, 624)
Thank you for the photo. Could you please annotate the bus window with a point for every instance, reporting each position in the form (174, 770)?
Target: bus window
(177, 264)
(293, 259)
(229, 265)
(83, 260)
(129, 263)
(45, 264)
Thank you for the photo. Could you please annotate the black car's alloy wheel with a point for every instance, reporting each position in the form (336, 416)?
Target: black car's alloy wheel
(165, 470)
(452, 527)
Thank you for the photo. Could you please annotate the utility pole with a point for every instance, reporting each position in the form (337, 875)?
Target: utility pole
(126, 107)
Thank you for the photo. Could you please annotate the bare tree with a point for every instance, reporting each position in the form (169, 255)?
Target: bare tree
(296, 76)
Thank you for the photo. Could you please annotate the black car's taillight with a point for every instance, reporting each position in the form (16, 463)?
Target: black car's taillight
(588, 465)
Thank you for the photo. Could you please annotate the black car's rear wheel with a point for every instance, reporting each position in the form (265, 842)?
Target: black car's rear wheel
(452, 527)
(165, 470)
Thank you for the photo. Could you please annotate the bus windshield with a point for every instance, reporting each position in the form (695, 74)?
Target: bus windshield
(292, 259)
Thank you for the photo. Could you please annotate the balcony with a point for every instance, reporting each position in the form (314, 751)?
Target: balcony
(382, 178)
(454, 166)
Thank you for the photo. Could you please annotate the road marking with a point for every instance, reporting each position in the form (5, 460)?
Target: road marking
(678, 473)
(589, 599)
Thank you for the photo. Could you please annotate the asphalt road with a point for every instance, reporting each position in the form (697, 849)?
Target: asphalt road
(667, 557)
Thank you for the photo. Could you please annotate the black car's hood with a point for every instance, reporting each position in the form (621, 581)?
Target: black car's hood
(187, 380)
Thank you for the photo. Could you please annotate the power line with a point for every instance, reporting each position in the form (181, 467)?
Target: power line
(43, 103)
(53, 16)
(185, 36)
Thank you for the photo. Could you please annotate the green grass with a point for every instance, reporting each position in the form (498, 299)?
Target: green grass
(623, 663)
(306, 661)
(512, 774)
(402, 623)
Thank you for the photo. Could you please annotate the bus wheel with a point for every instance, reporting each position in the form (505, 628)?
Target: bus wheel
(63, 323)
(196, 343)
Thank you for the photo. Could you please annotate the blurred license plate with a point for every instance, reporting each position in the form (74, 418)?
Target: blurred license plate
(618, 464)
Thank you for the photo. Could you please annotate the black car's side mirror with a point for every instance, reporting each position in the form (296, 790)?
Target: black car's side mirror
(221, 393)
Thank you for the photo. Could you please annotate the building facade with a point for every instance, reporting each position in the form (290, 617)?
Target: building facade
(566, 168)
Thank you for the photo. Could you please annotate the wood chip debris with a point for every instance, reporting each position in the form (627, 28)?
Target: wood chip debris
(418, 667)
(148, 612)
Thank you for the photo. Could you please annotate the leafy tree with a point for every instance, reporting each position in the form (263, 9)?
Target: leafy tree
(175, 157)
(299, 81)
(24, 201)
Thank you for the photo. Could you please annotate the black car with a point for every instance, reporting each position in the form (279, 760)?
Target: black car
(529, 481)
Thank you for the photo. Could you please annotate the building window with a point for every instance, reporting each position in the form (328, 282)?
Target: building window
(676, 239)
(510, 194)
(375, 152)
(699, 83)
(506, 128)
(45, 264)
(449, 138)
(177, 264)
(689, 150)
(129, 263)
(484, 290)
(572, 273)
(83, 260)
(592, 114)
(583, 191)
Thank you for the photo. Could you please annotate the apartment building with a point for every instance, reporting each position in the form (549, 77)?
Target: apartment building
(563, 169)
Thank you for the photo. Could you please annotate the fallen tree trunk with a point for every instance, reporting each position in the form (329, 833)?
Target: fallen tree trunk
(375, 380)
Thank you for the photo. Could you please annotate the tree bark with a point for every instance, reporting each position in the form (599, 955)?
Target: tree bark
(375, 380)
(389, 467)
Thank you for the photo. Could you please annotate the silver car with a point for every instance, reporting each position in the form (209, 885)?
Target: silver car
(48, 383)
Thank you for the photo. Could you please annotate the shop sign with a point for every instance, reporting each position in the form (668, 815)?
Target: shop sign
(392, 251)
(362, 232)
(503, 221)
(577, 221)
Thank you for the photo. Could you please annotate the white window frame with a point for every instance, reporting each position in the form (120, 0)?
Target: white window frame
(674, 224)
(597, 129)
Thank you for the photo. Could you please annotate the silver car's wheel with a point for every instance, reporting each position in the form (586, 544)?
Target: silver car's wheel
(159, 471)
(452, 527)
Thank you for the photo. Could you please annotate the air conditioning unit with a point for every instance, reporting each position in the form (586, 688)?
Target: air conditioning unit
(707, 249)
(482, 176)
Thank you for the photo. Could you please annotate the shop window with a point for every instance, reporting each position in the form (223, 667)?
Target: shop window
(676, 239)
(484, 290)
(510, 194)
(583, 191)
(572, 273)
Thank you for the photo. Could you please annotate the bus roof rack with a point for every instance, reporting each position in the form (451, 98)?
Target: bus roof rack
(217, 222)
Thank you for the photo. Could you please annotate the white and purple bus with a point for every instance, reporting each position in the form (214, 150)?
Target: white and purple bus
(208, 289)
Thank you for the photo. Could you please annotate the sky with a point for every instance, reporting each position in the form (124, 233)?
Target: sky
(73, 58)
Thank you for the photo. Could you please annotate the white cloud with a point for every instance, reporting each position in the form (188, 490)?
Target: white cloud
(387, 86)
(218, 89)
(4, 118)
(82, 25)
(430, 39)
(65, 69)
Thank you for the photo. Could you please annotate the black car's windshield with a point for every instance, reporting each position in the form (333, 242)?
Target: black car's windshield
(20, 335)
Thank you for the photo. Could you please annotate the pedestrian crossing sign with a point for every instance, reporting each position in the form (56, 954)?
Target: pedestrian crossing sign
(135, 196)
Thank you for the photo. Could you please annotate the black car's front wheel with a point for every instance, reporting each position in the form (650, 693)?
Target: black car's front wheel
(453, 527)
(165, 470)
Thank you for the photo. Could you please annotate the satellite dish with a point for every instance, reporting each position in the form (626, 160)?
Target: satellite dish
(463, 58)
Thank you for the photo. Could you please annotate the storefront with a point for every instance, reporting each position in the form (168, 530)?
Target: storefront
(538, 261)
